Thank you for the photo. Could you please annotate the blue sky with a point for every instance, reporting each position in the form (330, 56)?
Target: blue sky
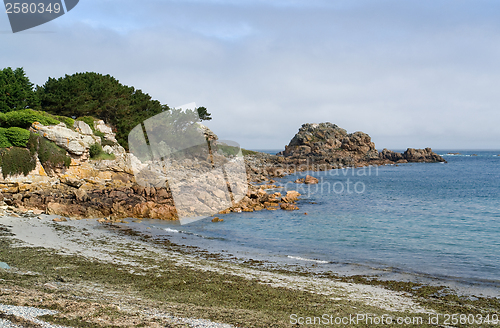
(409, 73)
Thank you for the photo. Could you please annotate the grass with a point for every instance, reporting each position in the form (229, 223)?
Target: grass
(246, 152)
(104, 156)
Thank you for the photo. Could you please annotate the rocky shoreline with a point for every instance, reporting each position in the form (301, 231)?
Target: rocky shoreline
(107, 188)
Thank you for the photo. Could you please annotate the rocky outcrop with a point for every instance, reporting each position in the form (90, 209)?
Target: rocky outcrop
(323, 139)
(83, 128)
(422, 155)
(114, 202)
(74, 142)
(265, 197)
(105, 129)
(328, 146)
(307, 180)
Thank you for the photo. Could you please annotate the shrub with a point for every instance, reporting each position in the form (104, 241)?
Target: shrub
(24, 118)
(246, 152)
(33, 142)
(17, 161)
(105, 156)
(4, 140)
(106, 142)
(95, 150)
(18, 137)
(3, 119)
(99, 134)
(66, 120)
(51, 156)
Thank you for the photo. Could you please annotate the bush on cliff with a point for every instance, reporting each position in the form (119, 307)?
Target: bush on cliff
(66, 120)
(25, 117)
(51, 156)
(4, 140)
(17, 136)
(95, 150)
(17, 161)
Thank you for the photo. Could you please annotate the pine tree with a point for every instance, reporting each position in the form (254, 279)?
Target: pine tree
(16, 91)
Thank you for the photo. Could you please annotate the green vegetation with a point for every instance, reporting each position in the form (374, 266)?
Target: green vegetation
(50, 155)
(88, 96)
(16, 91)
(104, 156)
(25, 117)
(246, 152)
(13, 137)
(97, 153)
(16, 161)
(102, 97)
(66, 120)
(204, 114)
(95, 150)
(106, 142)
(18, 137)
(228, 150)
(4, 140)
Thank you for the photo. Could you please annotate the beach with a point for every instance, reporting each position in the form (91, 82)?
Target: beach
(100, 275)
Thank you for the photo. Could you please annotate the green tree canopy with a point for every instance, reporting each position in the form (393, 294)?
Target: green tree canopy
(16, 91)
(204, 114)
(103, 97)
(100, 96)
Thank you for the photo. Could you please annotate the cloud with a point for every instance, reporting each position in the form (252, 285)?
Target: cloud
(409, 74)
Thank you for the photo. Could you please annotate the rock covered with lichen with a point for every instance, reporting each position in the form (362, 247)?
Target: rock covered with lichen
(331, 146)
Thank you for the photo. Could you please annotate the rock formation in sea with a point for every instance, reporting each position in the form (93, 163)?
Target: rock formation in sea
(328, 143)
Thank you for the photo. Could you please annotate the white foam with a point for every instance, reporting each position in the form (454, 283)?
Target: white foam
(171, 230)
(304, 259)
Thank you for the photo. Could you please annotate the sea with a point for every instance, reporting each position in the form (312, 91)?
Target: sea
(436, 223)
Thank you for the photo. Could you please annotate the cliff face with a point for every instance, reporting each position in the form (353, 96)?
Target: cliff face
(330, 145)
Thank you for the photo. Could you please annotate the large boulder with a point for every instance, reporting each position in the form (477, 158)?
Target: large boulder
(322, 146)
(82, 128)
(422, 155)
(105, 129)
(391, 155)
(326, 140)
(411, 155)
(74, 142)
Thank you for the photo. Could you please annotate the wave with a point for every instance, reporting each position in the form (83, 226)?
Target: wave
(308, 260)
(171, 230)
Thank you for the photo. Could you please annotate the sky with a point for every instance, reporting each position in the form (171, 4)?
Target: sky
(409, 73)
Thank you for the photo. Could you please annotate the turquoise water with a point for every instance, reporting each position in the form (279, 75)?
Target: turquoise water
(430, 219)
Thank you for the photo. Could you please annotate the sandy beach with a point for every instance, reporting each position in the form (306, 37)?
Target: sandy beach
(92, 275)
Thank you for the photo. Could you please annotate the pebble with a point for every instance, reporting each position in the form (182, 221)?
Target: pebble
(28, 313)
(195, 323)
(31, 314)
